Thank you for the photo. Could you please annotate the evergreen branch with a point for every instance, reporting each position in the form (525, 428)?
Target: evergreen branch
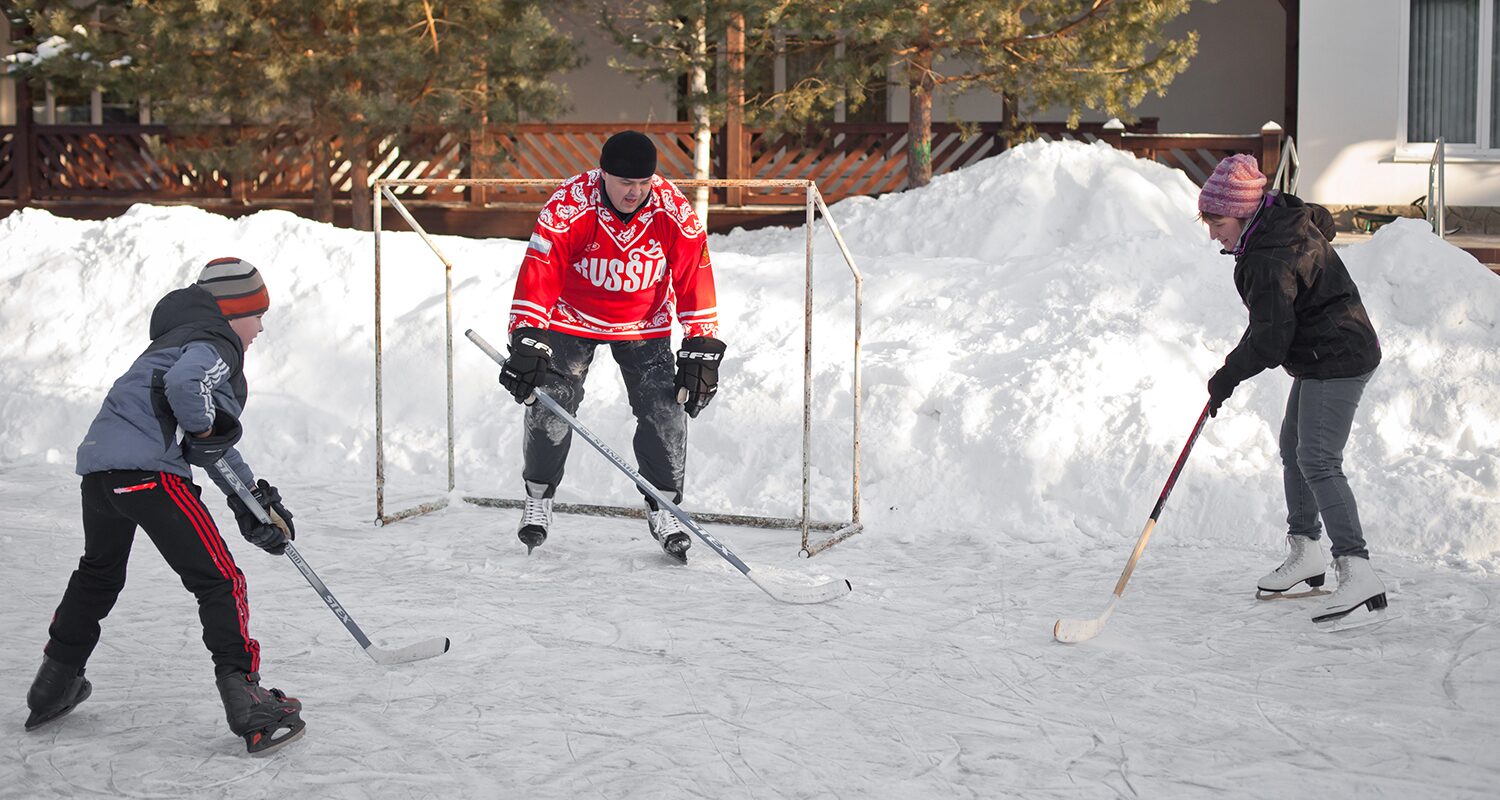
(431, 25)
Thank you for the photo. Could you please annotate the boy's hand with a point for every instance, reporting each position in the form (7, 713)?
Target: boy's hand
(203, 448)
(271, 537)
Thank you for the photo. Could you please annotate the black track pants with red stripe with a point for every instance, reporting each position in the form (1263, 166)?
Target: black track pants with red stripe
(168, 508)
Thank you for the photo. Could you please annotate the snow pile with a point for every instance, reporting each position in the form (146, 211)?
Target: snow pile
(1037, 332)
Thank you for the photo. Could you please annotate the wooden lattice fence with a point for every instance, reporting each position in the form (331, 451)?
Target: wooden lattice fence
(144, 162)
(8, 184)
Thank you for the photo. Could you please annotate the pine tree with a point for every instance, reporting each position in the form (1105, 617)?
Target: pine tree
(297, 76)
(1103, 55)
(672, 40)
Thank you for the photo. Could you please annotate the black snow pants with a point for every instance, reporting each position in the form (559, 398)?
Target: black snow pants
(648, 368)
(169, 509)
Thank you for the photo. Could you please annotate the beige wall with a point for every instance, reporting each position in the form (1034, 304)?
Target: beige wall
(1349, 96)
(1237, 82)
(599, 93)
(1234, 85)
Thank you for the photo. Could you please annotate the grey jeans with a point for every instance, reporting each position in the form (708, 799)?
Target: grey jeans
(649, 369)
(1319, 414)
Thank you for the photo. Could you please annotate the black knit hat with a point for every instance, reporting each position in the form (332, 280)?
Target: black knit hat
(629, 154)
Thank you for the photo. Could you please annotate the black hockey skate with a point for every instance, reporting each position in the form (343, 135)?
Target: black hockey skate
(57, 689)
(259, 714)
(532, 536)
(536, 516)
(668, 533)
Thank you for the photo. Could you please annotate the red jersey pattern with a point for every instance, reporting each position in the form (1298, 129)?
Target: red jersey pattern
(588, 274)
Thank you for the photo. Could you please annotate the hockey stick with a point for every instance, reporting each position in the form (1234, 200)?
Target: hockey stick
(820, 593)
(414, 652)
(1078, 630)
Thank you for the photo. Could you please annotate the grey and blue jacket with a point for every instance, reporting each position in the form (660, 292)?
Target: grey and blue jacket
(192, 368)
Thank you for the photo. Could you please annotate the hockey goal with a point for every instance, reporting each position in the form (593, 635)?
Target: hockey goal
(817, 535)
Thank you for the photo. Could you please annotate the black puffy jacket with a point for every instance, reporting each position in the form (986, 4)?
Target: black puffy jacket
(1305, 311)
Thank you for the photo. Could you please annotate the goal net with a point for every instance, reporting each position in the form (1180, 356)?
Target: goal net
(427, 420)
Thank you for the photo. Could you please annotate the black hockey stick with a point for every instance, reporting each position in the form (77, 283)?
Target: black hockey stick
(414, 652)
(820, 593)
(1077, 630)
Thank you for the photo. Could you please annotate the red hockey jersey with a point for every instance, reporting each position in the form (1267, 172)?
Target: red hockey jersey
(588, 274)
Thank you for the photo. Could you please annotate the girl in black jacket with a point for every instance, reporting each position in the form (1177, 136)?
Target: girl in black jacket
(1305, 316)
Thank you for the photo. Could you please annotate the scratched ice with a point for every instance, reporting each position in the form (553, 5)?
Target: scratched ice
(1037, 332)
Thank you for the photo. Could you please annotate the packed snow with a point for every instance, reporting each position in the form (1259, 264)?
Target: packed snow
(1037, 331)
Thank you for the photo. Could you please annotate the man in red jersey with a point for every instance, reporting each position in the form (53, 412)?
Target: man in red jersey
(616, 253)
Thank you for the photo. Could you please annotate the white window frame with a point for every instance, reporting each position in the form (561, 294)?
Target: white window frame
(1422, 151)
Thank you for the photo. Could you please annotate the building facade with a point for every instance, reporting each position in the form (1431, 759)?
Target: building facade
(1380, 81)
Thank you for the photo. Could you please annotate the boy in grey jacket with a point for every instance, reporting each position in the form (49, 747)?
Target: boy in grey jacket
(177, 405)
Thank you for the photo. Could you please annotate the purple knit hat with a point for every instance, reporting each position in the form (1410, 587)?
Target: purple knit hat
(1235, 188)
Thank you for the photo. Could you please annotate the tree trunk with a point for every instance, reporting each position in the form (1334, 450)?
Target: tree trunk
(322, 177)
(361, 215)
(919, 127)
(702, 134)
(481, 146)
(736, 141)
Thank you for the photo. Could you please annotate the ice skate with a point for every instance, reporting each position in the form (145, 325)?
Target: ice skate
(1304, 564)
(57, 689)
(1359, 599)
(259, 714)
(536, 516)
(668, 532)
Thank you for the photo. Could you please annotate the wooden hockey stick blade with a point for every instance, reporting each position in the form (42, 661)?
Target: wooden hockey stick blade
(1072, 631)
(429, 648)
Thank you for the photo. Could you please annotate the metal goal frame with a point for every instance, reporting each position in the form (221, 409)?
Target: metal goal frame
(837, 530)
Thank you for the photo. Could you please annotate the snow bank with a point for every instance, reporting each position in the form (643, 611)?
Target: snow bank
(1037, 332)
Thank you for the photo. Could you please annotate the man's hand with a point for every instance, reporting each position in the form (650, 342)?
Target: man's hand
(272, 536)
(527, 364)
(698, 372)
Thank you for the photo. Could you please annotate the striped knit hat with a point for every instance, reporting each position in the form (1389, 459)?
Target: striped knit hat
(236, 286)
(1235, 188)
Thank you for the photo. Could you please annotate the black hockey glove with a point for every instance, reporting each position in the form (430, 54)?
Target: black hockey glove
(203, 452)
(698, 372)
(527, 364)
(268, 536)
(1220, 387)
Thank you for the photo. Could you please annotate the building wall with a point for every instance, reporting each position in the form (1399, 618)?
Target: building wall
(1349, 113)
(1235, 84)
(600, 93)
(1236, 38)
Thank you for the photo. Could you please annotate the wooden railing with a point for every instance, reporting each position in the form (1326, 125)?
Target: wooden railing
(8, 183)
(61, 163)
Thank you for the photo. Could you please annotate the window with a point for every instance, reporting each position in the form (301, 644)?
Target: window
(1453, 74)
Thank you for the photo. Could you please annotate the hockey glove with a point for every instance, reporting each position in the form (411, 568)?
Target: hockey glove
(698, 372)
(1220, 387)
(527, 364)
(204, 451)
(270, 537)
